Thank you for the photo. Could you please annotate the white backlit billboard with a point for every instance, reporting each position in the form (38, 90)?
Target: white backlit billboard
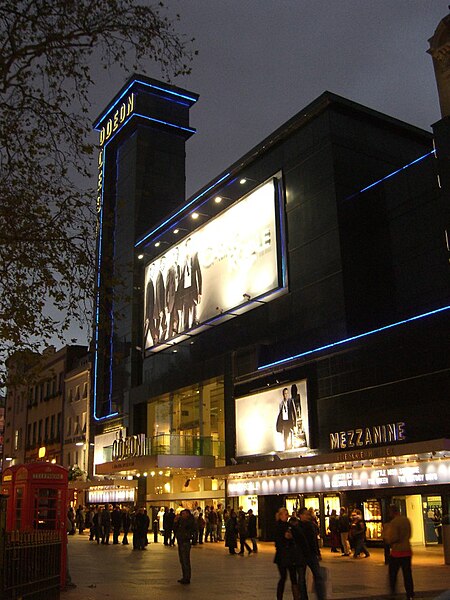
(220, 267)
(273, 421)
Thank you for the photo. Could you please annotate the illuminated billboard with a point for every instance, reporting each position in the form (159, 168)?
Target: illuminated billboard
(274, 421)
(222, 266)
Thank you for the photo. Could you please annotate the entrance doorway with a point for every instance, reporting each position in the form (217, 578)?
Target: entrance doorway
(411, 507)
(432, 519)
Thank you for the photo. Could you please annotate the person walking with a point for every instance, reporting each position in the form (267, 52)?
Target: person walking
(344, 528)
(89, 522)
(183, 527)
(126, 524)
(71, 521)
(397, 533)
(358, 534)
(106, 524)
(333, 526)
(219, 512)
(80, 519)
(252, 529)
(231, 532)
(287, 555)
(243, 534)
(201, 527)
(140, 528)
(168, 527)
(212, 518)
(97, 519)
(116, 522)
(305, 535)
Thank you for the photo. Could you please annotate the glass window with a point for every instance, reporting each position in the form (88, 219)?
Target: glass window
(189, 421)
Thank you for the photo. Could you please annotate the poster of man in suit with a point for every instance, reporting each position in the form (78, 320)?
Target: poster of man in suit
(274, 420)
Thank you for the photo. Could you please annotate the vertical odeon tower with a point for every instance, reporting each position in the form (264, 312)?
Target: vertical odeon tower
(141, 178)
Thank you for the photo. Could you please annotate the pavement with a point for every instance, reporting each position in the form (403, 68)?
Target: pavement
(117, 572)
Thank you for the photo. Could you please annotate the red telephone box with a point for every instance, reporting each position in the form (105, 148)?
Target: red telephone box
(38, 502)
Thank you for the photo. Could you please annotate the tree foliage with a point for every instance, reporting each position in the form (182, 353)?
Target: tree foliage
(47, 219)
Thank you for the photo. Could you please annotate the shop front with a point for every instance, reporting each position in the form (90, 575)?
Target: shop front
(416, 477)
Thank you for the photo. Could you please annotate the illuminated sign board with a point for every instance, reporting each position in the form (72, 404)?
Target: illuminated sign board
(134, 445)
(217, 269)
(112, 125)
(117, 118)
(111, 496)
(274, 421)
(367, 436)
(428, 473)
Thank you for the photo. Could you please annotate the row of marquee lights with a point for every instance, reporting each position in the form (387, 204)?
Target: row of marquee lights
(353, 478)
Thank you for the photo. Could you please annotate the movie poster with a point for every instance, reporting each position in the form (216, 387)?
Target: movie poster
(219, 267)
(274, 421)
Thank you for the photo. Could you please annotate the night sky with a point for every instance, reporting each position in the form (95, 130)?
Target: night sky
(262, 61)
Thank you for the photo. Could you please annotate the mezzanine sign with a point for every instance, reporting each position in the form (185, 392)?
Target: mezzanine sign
(368, 436)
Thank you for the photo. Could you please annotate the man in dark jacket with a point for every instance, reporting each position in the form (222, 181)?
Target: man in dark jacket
(106, 524)
(251, 529)
(183, 527)
(126, 524)
(344, 528)
(116, 522)
(168, 519)
(305, 536)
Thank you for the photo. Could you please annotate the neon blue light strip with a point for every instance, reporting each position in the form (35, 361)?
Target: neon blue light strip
(188, 129)
(351, 339)
(97, 310)
(96, 335)
(138, 81)
(172, 217)
(391, 174)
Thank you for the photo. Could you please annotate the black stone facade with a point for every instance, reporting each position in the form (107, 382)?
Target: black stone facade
(361, 264)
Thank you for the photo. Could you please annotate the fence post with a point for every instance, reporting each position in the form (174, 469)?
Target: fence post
(2, 542)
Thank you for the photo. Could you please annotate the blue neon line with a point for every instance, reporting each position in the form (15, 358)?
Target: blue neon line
(134, 114)
(172, 217)
(355, 337)
(391, 175)
(138, 81)
(188, 129)
(97, 311)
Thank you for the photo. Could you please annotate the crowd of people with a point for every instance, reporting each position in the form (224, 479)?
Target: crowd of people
(297, 538)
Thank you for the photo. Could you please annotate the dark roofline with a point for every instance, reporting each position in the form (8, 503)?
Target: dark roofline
(158, 86)
(325, 101)
(310, 112)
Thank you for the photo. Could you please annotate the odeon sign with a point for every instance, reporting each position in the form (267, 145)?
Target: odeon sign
(129, 447)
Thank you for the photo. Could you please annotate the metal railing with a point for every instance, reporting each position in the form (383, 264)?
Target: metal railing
(30, 565)
(186, 445)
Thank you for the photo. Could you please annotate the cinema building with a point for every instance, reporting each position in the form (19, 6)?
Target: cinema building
(281, 337)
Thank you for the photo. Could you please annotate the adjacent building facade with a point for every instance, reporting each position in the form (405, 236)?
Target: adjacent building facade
(46, 407)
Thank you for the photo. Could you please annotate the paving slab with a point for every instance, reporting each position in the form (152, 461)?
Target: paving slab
(117, 572)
